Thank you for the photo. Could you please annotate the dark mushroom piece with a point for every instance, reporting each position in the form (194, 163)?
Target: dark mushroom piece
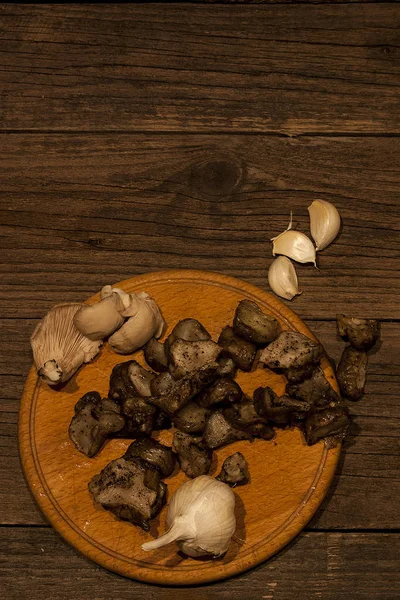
(161, 421)
(191, 418)
(227, 367)
(351, 372)
(155, 355)
(140, 378)
(130, 489)
(157, 455)
(193, 455)
(251, 324)
(281, 410)
(183, 390)
(161, 383)
(139, 417)
(316, 390)
(223, 390)
(185, 357)
(241, 351)
(121, 386)
(361, 333)
(242, 415)
(291, 349)
(219, 432)
(296, 375)
(95, 419)
(329, 422)
(190, 330)
(235, 470)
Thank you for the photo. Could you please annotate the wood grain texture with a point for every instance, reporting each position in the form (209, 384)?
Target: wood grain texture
(288, 478)
(37, 565)
(190, 67)
(97, 208)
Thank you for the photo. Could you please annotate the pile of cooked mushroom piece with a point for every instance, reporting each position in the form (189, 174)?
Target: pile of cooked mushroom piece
(191, 386)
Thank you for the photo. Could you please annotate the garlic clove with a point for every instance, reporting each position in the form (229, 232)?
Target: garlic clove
(295, 245)
(324, 223)
(101, 319)
(144, 323)
(201, 518)
(282, 278)
(59, 349)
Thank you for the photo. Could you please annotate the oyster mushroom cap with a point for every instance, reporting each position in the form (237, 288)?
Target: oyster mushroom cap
(59, 349)
(101, 319)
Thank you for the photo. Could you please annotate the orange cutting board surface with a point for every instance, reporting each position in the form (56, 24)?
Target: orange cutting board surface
(288, 479)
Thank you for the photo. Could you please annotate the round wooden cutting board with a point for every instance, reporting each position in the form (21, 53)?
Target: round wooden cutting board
(288, 478)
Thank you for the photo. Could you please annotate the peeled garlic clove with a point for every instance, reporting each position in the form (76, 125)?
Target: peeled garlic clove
(324, 222)
(144, 323)
(282, 278)
(58, 347)
(295, 245)
(101, 319)
(201, 518)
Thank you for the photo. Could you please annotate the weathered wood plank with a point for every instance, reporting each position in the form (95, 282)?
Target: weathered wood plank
(314, 566)
(182, 67)
(368, 475)
(99, 208)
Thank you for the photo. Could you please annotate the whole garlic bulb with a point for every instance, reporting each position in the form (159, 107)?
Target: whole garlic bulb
(324, 222)
(201, 518)
(294, 244)
(282, 278)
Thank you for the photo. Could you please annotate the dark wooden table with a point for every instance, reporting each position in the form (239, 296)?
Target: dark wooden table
(155, 136)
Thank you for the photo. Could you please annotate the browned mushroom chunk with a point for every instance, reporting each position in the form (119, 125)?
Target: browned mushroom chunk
(185, 357)
(131, 490)
(361, 333)
(351, 372)
(139, 417)
(183, 390)
(227, 367)
(155, 355)
(223, 390)
(291, 349)
(331, 421)
(193, 455)
(235, 470)
(219, 432)
(161, 383)
(241, 351)
(189, 330)
(251, 324)
(281, 410)
(316, 390)
(242, 415)
(157, 455)
(121, 386)
(191, 418)
(140, 378)
(296, 375)
(161, 421)
(95, 419)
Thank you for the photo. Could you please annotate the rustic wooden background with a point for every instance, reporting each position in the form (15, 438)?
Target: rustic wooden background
(138, 137)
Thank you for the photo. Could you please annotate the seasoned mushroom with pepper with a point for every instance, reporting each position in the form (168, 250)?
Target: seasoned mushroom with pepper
(235, 470)
(361, 333)
(140, 378)
(193, 455)
(351, 372)
(281, 410)
(291, 349)
(157, 455)
(251, 324)
(95, 419)
(223, 390)
(241, 351)
(316, 390)
(155, 355)
(130, 489)
(185, 357)
(192, 418)
(219, 432)
(190, 330)
(242, 415)
(331, 421)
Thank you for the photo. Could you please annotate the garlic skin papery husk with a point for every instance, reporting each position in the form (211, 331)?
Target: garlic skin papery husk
(145, 321)
(101, 319)
(201, 518)
(282, 278)
(295, 245)
(59, 349)
(324, 223)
